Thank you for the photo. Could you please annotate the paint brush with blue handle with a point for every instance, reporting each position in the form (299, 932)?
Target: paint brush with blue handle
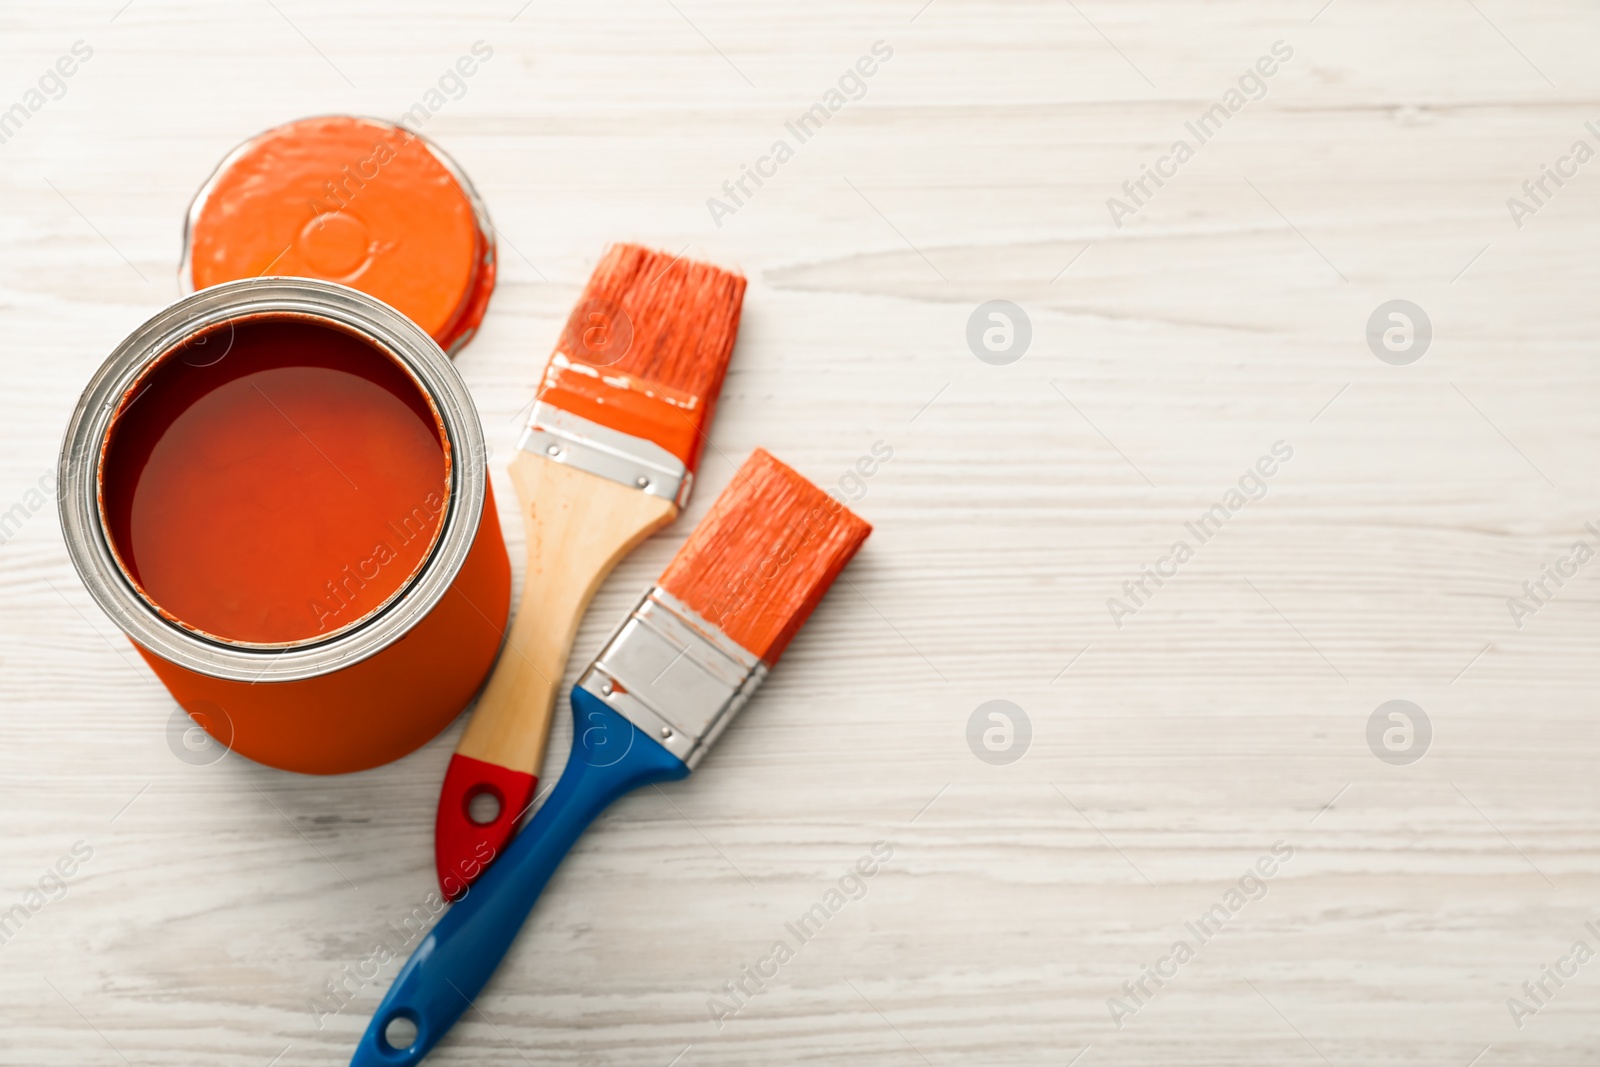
(646, 710)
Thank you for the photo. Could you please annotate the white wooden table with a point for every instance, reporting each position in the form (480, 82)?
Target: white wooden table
(1227, 713)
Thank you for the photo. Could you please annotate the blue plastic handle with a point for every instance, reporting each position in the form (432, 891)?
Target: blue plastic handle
(610, 757)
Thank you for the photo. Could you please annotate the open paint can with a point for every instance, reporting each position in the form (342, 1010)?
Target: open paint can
(277, 488)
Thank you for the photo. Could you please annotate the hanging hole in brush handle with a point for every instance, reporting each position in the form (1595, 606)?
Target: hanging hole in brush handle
(610, 757)
(401, 1033)
(484, 806)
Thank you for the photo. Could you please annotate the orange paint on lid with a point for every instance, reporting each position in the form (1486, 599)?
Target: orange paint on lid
(273, 481)
(357, 201)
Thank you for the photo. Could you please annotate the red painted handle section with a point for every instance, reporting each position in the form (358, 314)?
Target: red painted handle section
(463, 849)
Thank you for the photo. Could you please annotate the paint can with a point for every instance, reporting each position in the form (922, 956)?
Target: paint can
(158, 530)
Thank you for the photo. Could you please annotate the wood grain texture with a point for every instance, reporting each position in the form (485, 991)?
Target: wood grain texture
(577, 526)
(1230, 712)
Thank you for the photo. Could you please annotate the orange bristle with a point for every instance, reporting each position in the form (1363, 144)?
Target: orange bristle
(648, 343)
(761, 560)
(684, 316)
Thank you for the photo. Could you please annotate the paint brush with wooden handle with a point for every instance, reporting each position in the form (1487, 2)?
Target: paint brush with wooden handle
(650, 706)
(607, 458)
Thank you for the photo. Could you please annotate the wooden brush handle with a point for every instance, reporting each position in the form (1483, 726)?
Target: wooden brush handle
(578, 526)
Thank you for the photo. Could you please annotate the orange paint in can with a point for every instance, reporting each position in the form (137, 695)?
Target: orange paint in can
(273, 481)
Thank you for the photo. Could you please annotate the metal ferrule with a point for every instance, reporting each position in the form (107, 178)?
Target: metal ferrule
(561, 436)
(674, 675)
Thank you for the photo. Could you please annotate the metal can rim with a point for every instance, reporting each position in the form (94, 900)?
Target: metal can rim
(86, 539)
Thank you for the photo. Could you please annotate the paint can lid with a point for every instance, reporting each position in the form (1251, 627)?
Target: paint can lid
(358, 201)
